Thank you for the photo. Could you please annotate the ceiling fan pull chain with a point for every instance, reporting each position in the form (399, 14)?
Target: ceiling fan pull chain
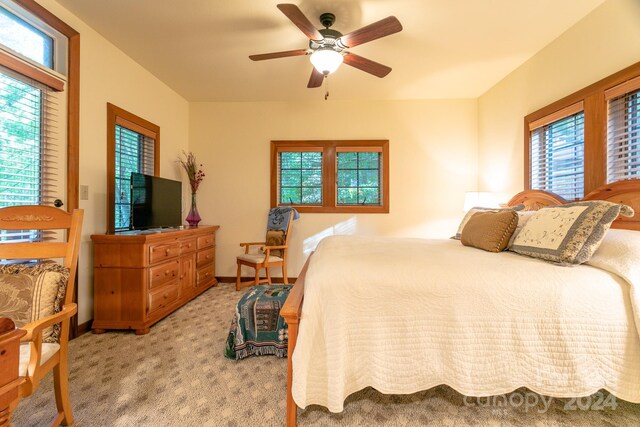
(326, 94)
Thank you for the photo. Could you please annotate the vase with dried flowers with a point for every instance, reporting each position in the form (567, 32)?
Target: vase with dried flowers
(195, 175)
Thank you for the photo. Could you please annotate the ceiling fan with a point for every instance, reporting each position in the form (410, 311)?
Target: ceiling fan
(328, 48)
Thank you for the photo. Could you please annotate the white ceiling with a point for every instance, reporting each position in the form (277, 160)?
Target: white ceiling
(447, 49)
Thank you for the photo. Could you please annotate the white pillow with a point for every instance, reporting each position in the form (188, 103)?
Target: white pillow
(619, 253)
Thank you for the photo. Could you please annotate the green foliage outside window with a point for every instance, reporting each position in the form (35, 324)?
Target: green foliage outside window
(358, 178)
(20, 142)
(301, 178)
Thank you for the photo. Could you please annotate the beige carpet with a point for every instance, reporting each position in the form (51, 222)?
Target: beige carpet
(177, 376)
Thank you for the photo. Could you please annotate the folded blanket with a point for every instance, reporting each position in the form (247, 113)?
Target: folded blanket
(279, 218)
(257, 327)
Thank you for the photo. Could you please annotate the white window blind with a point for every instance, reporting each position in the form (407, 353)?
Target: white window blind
(623, 131)
(28, 152)
(556, 152)
(135, 152)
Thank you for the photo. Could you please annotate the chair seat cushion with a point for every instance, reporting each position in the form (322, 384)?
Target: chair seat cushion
(258, 258)
(32, 292)
(48, 350)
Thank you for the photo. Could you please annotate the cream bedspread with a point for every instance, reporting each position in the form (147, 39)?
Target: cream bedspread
(404, 315)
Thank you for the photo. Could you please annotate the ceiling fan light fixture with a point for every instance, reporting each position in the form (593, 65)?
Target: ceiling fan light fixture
(326, 61)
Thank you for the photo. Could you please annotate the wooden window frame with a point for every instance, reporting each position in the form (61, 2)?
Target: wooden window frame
(119, 116)
(73, 110)
(595, 126)
(329, 148)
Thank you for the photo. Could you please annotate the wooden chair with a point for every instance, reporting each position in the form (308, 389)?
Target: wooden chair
(38, 358)
(264, 259)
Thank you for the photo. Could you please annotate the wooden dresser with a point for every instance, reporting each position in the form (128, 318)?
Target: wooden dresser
(141, 277)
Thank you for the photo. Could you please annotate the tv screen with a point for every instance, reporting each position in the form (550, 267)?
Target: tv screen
(155, 202)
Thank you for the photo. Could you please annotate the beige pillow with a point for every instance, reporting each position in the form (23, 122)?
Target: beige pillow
(480, 209)
(568, 234)
(29, 293)
(275, 238)
(489, 231)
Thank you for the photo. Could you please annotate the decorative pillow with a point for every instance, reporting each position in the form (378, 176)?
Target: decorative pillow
(29, 293)
(523, 218)
(567, 234)
(479, 209)
(275, 238)
(489, 230)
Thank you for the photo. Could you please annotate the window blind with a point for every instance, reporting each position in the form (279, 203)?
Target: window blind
(623, 136)
(28, 151)
(135, 152)
(556, 152)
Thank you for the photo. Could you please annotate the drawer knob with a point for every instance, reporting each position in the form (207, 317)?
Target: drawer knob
(167, 251)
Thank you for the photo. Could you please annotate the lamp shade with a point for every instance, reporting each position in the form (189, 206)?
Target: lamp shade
(326, 61)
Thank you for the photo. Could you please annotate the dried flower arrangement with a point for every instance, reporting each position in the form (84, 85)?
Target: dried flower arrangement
(194, 172)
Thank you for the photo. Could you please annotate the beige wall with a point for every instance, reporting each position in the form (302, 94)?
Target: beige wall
(433, 159)
(108, 75)
(605, 41)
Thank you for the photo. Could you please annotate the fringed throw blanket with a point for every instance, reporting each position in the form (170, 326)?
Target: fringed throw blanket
(257, 328)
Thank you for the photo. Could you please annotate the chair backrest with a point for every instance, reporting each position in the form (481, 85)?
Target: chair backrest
(44, 218)
(287, 233)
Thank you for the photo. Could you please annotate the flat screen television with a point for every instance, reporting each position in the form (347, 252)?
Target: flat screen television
(155, 202)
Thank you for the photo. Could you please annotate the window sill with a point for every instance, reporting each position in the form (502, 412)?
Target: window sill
(340, 209)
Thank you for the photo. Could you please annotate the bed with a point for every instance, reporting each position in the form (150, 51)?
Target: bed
(482, 323)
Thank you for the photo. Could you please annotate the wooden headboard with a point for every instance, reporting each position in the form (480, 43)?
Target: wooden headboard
(625, 192)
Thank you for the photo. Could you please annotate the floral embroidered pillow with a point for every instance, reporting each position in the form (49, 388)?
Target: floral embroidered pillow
(567, 234)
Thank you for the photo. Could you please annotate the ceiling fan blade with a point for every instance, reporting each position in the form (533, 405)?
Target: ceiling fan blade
(274, 55)
(297, 17)
(366, 65)
(385, 27)
(316, 79)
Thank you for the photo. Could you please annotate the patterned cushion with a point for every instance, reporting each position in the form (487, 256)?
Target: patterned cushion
(275, 238)
(567, 234)
(523, 218)
(29, 293)
(258, 258)
(489, 231)
(480, 209)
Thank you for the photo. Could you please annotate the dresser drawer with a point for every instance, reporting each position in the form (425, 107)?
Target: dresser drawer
(204, 241)
(205, 275)
(188, 245)
(205, 257)
(163, 297)
(163, 273)
(160, 252)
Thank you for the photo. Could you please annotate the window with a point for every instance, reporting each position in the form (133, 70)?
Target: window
(587, 139)
(623, 131)
(331, 176)
(133, 146)
(27, 161)
(359, 173)
(300, 178)
(557, 153)
(25, 39)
